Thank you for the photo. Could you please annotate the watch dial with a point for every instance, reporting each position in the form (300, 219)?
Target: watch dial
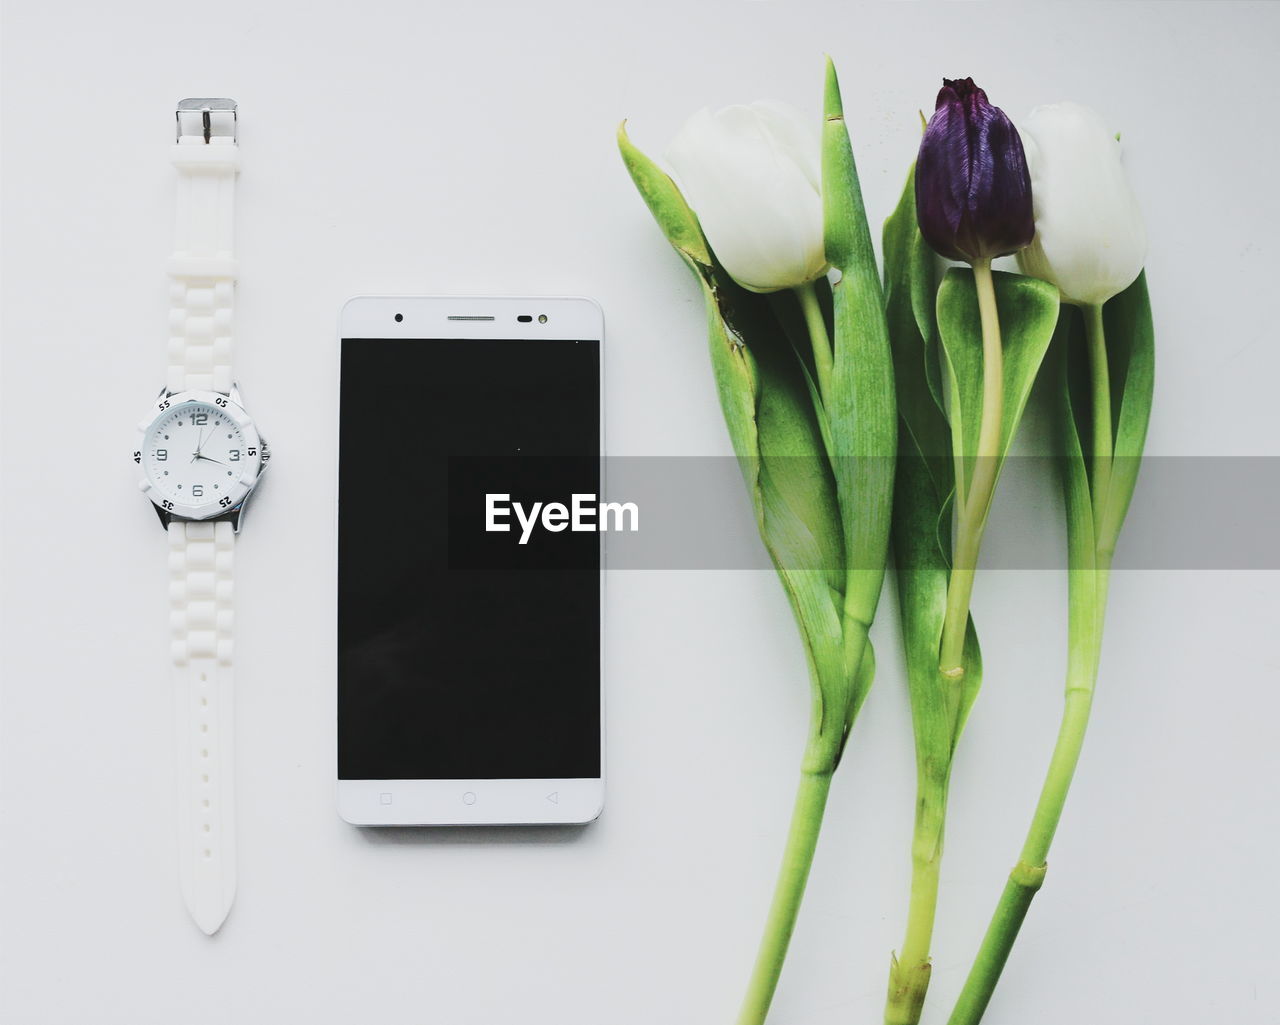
(195, 455)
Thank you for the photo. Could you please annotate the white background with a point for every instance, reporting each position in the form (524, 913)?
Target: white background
(406, 147)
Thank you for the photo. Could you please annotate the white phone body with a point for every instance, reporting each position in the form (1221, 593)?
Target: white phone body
(476, 801)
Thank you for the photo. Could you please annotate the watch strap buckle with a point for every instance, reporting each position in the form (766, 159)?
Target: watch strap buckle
(207, 117)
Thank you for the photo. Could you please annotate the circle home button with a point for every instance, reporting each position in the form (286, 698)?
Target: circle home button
(469, 798)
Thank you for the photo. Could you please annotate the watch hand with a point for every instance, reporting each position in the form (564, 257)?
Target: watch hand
(208, 460)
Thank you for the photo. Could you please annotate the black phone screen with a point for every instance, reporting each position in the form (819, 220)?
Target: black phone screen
(464, 652)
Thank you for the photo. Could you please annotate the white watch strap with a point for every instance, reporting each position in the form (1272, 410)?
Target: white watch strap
(200, 599)
(203, 267)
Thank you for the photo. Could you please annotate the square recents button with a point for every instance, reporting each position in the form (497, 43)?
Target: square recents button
(384, 798)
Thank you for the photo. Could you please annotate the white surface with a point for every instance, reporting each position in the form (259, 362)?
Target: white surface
(406, 148)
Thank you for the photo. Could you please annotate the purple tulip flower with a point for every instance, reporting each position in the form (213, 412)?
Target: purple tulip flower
(973, 190)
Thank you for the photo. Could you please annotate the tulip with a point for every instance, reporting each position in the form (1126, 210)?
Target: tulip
(752, 175)
(817, 451)
(1090, 243)
(973, 203)
(1090, 240)
(973, 192)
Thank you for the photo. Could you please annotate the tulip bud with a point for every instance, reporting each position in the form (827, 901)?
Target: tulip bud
(1090, 238)
(973, 192)
(752, 175)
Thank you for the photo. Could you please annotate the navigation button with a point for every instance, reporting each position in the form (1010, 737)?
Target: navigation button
(384, 798)
(469, 798)
(554, 797)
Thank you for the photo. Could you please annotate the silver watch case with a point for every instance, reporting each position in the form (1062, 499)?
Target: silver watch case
(219, 508)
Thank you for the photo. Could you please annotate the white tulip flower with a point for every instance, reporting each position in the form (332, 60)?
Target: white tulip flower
(1090, 239)
(752, 174)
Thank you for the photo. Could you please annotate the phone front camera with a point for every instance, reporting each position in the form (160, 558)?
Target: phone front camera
(542, 318)
(399, 317)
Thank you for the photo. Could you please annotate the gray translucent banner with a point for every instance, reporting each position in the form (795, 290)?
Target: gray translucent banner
(1187, 513)
(1192, 513)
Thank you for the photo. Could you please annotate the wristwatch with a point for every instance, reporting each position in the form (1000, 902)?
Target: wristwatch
(201, 455)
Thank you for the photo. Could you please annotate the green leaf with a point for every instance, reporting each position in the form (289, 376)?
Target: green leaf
(861, 408)
(1130, 345)
(665, 202)
(778, 439)
(1131, 359)
(790, 315)
(910, 285)
(922, 507)
(1028, 311)
(924, 305)
(1068, 373)
(1071, 388)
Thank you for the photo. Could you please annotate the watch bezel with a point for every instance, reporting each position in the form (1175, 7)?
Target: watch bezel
(218, 506)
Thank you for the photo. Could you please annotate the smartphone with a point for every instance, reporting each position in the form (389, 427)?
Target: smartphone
(469, 628)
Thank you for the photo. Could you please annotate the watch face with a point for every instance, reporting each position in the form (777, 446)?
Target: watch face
(200, 456)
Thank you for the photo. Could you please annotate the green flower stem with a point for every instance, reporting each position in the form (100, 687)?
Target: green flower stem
(1097, 345)
(823, 358)
(806, 821)
(1082, 672)
(1089, 587)
(822, 754)
(909, 973)
(1089, 580)
(976, 500)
